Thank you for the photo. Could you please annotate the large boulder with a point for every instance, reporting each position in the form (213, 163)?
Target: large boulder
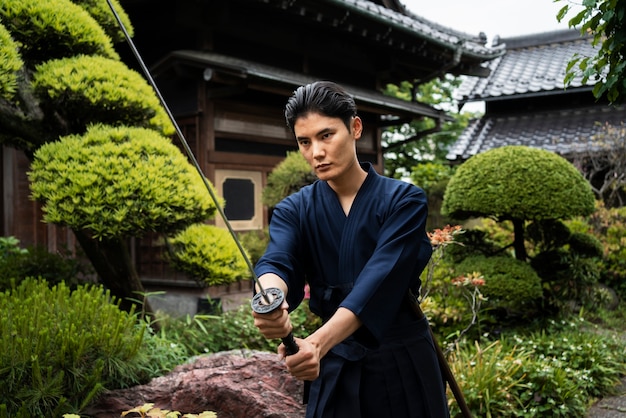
(234, 384)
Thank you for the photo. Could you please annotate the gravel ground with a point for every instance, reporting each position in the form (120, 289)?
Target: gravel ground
(611, 407)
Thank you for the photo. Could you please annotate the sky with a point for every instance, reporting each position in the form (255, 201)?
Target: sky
(505, 18)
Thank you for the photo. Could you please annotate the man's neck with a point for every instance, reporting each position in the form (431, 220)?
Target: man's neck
(348, 186)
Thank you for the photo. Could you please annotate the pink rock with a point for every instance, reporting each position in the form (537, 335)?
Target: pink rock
(234, 384)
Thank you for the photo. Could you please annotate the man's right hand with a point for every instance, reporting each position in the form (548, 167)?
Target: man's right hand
(275, 324)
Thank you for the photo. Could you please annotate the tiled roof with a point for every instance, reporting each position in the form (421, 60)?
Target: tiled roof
(562, 131)
(418, 26)
(399, 29)
(532, 65)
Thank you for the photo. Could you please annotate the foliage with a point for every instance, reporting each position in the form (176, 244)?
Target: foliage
(423, 140)
(10, 246)
(608, 225)
(517, 182)
(428, 175)
(490, 379)
(255, 243)
(606, 21)
(148, 410)
(37, 262)
(602, 160)
(289, 176)
(209, 254)
(54, 29)
(10, 63)
(101, 12)
(550, 373)
(229, 331)
(71, 78)
(85, 89)
(118, 182)
(62, 347)
(568, 264)
(510, 285)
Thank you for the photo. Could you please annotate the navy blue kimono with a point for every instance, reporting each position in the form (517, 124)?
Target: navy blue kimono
(364, 262)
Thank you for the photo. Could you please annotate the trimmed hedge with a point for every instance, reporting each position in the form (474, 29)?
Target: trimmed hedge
(517, 182)
(87, 89)
(209, 254)
(54, 29)
(118, 182)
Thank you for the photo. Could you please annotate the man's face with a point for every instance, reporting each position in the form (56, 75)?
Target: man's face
(327, 144)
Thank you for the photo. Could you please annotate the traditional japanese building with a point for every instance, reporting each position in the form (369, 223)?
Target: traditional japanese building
(226, 69)
(527, 103)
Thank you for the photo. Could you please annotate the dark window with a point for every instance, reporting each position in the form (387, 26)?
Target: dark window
(239, 196)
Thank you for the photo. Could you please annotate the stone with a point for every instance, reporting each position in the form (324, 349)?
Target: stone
(234, 384)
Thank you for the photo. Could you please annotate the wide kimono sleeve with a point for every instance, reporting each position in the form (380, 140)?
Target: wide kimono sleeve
(284, 249)
(400, 255)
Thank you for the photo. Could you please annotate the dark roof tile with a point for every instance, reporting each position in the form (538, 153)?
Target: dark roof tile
(532, 64)
(560, 131)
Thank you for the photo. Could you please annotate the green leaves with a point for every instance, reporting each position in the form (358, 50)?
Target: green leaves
(10, 64)
(54, 29)
(287, 177)
(208, 253)
(605, 20)
(517, 182)
(91, 89)
(117, 182)
(62, 347)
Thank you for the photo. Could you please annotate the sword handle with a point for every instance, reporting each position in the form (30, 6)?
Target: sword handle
(290, 344)
(276, 297)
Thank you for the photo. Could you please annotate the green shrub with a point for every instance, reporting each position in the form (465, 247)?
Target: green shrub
(10, 246)
(548, 234)
(551, 373)
(54, 29)
(91, 89)
(10, 63)
(61, 348)
(101, 12)
(118, 182)
(255, 243)
(432, 177)
(209, 254)
(289, 176)
(517, 182)
(510, 284)
(37, 262)
(572, 363)
(609, 227)
(231, 330)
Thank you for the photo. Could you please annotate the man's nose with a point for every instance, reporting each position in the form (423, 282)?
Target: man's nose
(318, 149)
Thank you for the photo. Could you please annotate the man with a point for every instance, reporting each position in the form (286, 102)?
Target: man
(358, 239)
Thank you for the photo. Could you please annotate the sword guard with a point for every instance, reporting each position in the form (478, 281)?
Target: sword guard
(261, 305)
(276, 298)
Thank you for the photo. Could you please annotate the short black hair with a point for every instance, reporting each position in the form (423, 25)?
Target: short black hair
(323, 97)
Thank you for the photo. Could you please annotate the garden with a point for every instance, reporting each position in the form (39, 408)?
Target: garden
(524, 291)
(538, 335)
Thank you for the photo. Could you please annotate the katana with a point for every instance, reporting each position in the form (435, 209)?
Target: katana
(266, 300)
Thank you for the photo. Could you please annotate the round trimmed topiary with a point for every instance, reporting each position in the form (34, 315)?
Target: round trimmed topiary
(510, 284)
(517, 183)
(289, 176)
(209, 254)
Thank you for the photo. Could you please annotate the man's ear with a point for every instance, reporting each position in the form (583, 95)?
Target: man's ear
(357, 127)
